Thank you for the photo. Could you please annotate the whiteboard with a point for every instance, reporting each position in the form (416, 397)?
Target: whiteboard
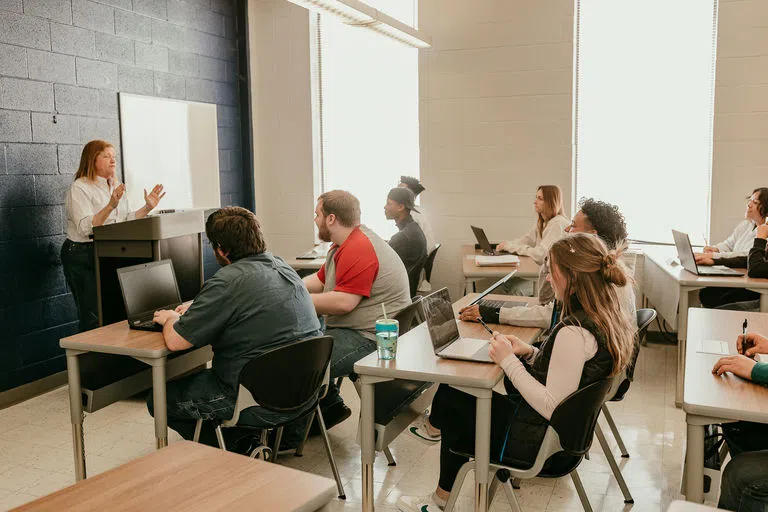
(170, 142)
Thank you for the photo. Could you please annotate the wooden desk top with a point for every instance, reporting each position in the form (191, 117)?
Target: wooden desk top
(728, 396)
(527, 268)
(118, 339)
(662, 255)
(187, 476)
(416, 358)
(314, 264)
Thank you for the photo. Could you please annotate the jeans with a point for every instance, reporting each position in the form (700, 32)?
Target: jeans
(80, 273)
(744, 486)
(349, 346)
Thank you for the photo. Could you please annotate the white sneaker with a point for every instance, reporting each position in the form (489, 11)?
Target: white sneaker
(429, 503)
(421, 431)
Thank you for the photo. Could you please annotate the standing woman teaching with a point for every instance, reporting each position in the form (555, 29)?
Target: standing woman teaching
(94, 199)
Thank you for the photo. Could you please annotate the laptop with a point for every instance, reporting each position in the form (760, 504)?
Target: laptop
(483, 242)
(480, 300)
(147, 288)
(444, 331)
(688, 261)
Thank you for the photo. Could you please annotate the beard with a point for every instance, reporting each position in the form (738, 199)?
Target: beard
(323, 234)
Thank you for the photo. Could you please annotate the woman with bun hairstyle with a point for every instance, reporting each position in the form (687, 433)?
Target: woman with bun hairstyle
(95, 198)
(593, 340)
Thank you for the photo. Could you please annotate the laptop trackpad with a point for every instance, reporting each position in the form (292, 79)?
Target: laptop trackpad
(466, 347)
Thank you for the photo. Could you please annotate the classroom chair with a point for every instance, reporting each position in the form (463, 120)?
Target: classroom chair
(566, 441)
(279, 387)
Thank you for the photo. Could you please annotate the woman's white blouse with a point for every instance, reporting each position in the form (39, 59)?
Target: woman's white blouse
(739, 243)
(85, 199)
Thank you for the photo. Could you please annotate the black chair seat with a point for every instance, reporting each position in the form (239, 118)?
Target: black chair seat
(556, 466)
(260, 417)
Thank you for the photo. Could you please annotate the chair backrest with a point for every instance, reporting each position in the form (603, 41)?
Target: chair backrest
(288, 378)
(574, 419)
(414, 274)
(644, 319)
(430, 261)
(410, 316)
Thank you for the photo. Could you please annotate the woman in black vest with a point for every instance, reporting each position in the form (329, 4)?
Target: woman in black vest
(593, 340)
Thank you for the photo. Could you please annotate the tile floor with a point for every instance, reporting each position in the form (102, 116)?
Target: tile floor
(35, 447)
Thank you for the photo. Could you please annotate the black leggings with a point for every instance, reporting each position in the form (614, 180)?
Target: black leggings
(80, 273)
(453, 412)
(714, 297)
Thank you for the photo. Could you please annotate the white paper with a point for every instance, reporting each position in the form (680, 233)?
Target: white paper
(494, 261)
(716, 347)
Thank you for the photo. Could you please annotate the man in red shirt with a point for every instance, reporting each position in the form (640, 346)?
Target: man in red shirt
(360, 273)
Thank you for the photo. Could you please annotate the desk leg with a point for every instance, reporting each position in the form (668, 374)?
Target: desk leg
(367, 442)
(76, 412)
(161, 407)
(482, 451)
(694, 464)
(682, 327)
(764, 302)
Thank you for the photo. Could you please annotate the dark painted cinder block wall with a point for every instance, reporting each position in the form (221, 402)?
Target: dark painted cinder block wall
(68, 59)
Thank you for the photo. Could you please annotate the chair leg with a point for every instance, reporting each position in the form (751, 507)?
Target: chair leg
(389, 456)
(328, 451)
(278, 438)
(615, 431)
(511, 496)
(492, 489)
(457, 483)
(220, 438)
(612, 463)
(300, 450)
(580, 491)
(198, 428)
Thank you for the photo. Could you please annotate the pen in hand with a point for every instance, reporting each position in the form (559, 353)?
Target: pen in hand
(745, 345)
(479, 319)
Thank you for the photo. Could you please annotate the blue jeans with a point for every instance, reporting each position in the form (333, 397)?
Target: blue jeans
(744, 486)
(349, 346)
(197, 396)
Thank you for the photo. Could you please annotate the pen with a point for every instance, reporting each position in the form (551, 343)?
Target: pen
(485, 325)
(744, 332)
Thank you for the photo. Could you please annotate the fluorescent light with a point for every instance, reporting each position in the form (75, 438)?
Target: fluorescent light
(351, 11)
(356, 13)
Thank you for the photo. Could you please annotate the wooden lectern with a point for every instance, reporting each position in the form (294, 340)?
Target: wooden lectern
(176, 236)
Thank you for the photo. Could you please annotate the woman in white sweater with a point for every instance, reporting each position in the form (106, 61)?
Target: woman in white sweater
(732, 250)
(550, 226)
(594, 340)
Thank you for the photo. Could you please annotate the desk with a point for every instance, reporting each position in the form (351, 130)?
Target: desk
(314, 264)
(146, 346)
(191, 477)
(528, 269)
(669, 288)
(417, 361)
(710, 399)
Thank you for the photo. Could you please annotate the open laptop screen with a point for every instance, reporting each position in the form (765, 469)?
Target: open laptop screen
(148, 287)
(685, 251)
(441, 322)
(482, 240)
(493, 287)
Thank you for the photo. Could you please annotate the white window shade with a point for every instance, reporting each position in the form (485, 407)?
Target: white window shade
(368, 106)
(644, 105)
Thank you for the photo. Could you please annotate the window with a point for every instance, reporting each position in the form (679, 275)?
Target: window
(367, 98)
(643, 109)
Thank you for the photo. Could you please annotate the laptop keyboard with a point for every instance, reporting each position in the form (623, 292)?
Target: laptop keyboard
(498, 304)
(146, 324)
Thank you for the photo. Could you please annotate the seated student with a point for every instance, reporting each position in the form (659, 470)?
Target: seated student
(596, 217)
(409, 242)
(421, 219)
(744, 484)
(594, 340)
(756, 263)
(255, 302)
(735, 246)
(360, 273)
(550, 226)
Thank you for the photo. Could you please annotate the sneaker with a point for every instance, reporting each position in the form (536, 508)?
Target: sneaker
(420, 429)
(429, 503)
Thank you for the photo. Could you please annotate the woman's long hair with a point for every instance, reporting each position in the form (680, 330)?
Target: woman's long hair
(88, 157)
(592, 274)
(553, 206)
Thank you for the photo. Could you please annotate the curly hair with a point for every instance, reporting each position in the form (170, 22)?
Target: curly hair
(236, 231)
(606, 219)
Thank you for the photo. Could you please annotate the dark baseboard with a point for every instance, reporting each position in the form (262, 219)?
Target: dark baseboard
(33, 389)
